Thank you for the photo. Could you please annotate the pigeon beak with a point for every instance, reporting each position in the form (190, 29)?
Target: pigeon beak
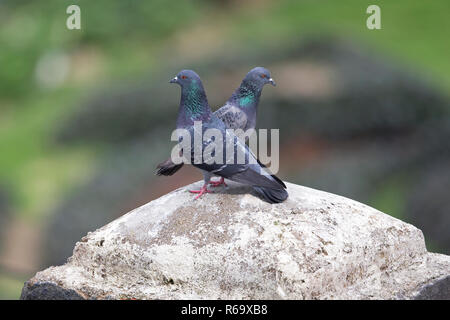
(272, 82)
(174, 80)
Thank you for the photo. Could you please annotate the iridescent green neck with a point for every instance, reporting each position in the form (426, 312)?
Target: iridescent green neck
(247, 95)
(194, 100)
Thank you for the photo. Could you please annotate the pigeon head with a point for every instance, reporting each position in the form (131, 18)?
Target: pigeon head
(258, 77)
(193, 104)
(248, 94)
(185, 78)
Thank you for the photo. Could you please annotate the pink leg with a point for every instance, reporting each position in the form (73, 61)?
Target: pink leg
(201, 192)
(218, 183)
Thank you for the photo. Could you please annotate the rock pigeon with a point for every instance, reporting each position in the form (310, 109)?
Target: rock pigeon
(239, 112)
(194, 107)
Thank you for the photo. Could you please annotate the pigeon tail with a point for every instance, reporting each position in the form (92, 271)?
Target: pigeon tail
(272, 195)
(168, 168)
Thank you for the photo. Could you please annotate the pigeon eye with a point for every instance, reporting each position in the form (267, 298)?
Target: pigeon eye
(263, 76)
(183, 77)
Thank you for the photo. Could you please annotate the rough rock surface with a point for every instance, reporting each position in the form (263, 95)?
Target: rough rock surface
(232, 245)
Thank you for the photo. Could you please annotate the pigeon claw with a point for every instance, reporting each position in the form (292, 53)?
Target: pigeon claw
(218, 183)
(200, 192)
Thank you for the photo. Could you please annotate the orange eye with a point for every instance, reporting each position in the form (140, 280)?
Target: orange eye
(263, 76)
(183, 77)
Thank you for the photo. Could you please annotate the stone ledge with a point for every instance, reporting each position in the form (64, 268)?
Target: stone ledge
(232, 245)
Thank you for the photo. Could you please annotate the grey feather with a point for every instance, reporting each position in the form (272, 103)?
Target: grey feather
(232, 116)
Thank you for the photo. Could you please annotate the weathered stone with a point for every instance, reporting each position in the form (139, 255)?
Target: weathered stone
(47, 291)
(232, 245)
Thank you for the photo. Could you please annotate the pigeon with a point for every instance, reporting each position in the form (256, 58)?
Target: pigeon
(194, 107)
(239, 112)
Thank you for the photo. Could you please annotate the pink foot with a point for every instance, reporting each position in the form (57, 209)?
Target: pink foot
(218, 183)
(200, 192)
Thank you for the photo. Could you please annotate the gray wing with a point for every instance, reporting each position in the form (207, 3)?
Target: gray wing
(251, 172)
(232, 117)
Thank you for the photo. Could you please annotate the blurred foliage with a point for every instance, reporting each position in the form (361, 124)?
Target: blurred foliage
(412, 31)
(9, 287)
(31, 28)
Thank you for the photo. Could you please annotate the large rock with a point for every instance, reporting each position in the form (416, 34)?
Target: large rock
(232, 245)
